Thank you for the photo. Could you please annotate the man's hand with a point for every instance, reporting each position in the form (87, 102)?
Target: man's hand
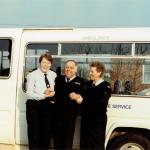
(76, 97)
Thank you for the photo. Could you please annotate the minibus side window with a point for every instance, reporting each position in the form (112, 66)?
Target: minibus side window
(96, 48)
(5, 57)
(34, 51)
(127, 74)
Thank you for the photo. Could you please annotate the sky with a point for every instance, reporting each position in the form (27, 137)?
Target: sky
(74, 13)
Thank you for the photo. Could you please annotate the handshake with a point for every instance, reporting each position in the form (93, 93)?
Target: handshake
(77, 97)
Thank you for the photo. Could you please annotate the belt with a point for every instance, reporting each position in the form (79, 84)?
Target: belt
(51, 100)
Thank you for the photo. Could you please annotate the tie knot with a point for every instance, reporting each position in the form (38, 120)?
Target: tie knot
(45, 74)
(68, 79)
(93, 85)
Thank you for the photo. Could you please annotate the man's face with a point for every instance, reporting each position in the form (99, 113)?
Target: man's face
(70, 69)
(45, 65)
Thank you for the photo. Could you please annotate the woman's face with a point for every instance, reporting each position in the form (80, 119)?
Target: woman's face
(45, 65)
(94, 75)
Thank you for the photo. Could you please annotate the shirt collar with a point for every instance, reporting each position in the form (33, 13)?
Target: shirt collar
(98, 82)
(43, 72)
(70, 78)
(40, 71)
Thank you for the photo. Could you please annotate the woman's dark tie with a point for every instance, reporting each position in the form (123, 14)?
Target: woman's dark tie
(46, 81)
(51, 99)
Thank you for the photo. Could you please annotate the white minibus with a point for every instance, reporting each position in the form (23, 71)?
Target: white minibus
(125, 53)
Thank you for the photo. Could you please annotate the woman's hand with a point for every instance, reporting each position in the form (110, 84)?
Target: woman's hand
(76, 97)
(49, 92)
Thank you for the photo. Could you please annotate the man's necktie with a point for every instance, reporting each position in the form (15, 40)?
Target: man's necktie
(46, 81)
(68, 79)
(93, 85)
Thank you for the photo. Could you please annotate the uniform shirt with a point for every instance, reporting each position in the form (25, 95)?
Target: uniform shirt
(36, 84)
(95, 100)
(93, 84)
(66, 106)
(68, 80)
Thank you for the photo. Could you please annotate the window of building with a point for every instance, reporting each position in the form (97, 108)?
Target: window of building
(142, 49)
(146, 72)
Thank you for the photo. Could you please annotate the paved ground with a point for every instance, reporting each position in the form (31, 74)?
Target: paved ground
(13, 147)
(18, 147)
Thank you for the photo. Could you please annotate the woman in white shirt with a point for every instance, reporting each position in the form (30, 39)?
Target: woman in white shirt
(39, 106)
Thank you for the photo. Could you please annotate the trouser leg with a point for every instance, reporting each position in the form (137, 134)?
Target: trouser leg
(46, 124)
(64, 132)
(33, 124)
(93, 134)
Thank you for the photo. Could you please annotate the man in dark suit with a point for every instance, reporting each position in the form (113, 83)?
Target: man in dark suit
(66, 109)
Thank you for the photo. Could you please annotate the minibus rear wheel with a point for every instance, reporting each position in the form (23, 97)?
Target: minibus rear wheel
(130, 141)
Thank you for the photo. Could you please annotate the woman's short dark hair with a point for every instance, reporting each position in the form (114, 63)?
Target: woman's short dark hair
(47, 56)
(99, 67)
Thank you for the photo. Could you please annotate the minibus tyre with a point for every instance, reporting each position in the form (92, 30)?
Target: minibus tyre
(130, 141)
